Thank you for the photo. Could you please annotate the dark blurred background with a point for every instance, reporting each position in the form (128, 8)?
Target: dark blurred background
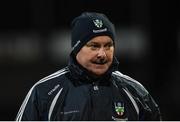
(35, 42)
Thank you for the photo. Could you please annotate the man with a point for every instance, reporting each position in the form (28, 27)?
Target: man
(90, 87)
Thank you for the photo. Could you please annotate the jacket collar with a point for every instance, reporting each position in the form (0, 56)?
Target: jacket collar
(80, 75)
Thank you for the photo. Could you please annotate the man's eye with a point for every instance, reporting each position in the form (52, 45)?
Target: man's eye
(93, 46)
(109, 45)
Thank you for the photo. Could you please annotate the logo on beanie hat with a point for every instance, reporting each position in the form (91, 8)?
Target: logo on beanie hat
(98, 23)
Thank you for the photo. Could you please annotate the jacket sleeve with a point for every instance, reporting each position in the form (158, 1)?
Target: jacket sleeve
(151, 111)
(29, 108)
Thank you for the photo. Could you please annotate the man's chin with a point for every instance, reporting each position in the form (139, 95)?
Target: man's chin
(99, 72)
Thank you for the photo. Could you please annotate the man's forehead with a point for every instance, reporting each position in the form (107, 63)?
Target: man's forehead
(101, 39)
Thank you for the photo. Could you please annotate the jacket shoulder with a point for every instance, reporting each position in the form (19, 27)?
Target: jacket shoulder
(49, 85)
(130, 83)
(51, 81)
(40, 95)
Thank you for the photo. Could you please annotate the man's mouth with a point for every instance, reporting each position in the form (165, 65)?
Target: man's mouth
(100, 62)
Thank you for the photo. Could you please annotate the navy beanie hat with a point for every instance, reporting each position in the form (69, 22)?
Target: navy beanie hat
(89, 25)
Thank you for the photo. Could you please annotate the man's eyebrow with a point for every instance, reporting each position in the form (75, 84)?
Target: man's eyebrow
(92, 43)
(97, 43)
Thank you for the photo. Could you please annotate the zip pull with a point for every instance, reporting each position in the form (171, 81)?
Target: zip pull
(95, 86)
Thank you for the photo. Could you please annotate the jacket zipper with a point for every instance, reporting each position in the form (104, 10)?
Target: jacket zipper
(94, 88)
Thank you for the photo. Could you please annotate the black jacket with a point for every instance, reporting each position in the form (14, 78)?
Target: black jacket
(74, 94)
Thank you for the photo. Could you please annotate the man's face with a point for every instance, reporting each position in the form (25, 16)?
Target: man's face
(97, 55)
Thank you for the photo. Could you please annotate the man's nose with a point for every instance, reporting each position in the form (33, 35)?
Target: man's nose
(101, 52)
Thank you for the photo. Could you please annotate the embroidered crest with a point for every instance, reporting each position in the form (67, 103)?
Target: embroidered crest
(98, 23)
(119, 108)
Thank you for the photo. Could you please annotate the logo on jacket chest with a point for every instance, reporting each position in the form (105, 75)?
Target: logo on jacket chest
(119, 109)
